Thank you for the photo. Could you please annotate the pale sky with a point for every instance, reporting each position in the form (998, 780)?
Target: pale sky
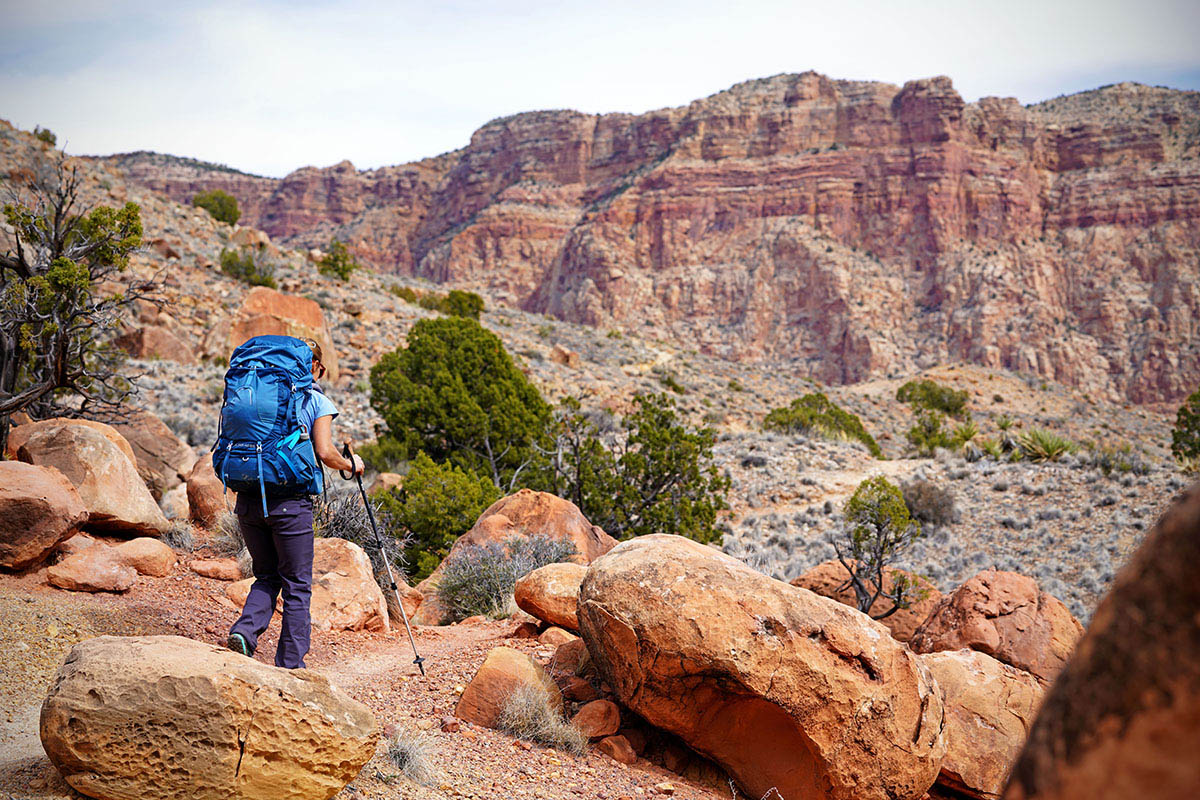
(268, 87)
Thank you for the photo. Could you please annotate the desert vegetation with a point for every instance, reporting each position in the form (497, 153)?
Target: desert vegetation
(221, 205)
(816, 414)
(338, 262)
(479, 579)
(249, 266)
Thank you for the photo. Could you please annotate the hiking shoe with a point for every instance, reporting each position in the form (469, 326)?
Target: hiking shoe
(238, 644)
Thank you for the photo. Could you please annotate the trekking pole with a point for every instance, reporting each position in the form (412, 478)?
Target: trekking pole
(348, 453)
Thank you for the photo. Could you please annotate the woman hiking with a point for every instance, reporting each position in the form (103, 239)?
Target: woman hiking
(275, 423)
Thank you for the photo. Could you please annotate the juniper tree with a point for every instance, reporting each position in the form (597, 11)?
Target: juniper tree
(878, 530)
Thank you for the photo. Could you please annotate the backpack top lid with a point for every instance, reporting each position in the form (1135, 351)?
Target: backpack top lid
(286, 353)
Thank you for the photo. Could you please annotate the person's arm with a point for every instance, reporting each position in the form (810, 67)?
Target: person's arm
(322, 439)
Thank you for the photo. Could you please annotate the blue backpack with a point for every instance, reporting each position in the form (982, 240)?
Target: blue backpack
(260, 444)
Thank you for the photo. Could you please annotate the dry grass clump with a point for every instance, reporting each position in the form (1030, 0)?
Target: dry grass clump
(180, 536)
(529, 714)
(412, 753)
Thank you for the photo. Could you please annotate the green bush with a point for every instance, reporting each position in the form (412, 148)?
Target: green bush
(455, 393)
(221, 205)
(405, 293)
(463, 304)
(816, 414)
(385, 454)
(338, 262)
(1038, 444)
(932, 396)
(878, 530)
(46, 135)
(436, 504)
(1185, 438)
(479, 579)
(244, 266)
(927, 434)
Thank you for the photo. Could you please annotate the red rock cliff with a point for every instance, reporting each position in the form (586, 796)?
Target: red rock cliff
(852, 229)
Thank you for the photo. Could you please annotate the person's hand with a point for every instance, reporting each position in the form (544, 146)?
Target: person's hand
(358, 464)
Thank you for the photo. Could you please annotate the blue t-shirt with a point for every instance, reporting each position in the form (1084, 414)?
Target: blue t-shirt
(313, 407)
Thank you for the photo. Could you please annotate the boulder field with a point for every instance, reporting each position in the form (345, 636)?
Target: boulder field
(168, 717)
(783, 688)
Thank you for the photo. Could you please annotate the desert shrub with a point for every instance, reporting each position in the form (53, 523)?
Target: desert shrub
(405, 293)
(221, 205)
(385, 454)
(927, 434)
(815, 413)
(338, 262)
(479, 579)
(1038, 444)
(454, 392)
(928, 502)
(227, 536)
(529, 714)
(342, 515)
(436, 504)
(245, 266)
(462, 304)
(669, 380)
(735, 385)
(412, 753)
(45, 135)
(1120, 458)
(932, 396)
(1185, 437)
(878, 530)
(991, 447)
(180, 536)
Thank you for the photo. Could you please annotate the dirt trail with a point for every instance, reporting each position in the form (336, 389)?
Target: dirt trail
(42, 623)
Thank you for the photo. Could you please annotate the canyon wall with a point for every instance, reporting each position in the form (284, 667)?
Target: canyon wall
(845, 229)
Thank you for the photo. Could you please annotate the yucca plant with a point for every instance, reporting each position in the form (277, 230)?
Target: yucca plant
(1039, 444)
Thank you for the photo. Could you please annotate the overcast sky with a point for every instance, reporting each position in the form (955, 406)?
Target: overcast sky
(268, 87)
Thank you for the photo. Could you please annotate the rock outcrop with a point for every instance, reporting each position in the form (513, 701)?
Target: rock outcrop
(990, 708)
(551, 593)
(156, 342)
(102, 472)
(1123, 718)
(828, 579)
(1005, 615)
(267, 311)
(168, 717)
(163, 459)
(502, 672)
(781, 687)
(850, 228)
(98, 568)
(39, 508)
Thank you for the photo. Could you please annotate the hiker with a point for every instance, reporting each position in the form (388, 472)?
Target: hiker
(275, 423)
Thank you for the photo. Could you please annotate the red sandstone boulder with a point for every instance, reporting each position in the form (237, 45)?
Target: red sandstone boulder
(345, 596)
(99, 568)
(551, 593)
(20, 434)
(781, 687)
(221, 569)
(556, 637)
(386, 482)
(206, 494)
(39, 509)
(266, 311)
(106, 478)
(1122, 720)
(163, 459)
(989, 708)
(147, 556)
(503, 672)
(618, 749)
(828, 579)
(526, 513)
(1006, 616)
(598, 719)
(156, 341)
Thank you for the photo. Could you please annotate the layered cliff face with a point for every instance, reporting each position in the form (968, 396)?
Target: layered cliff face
(849, 229)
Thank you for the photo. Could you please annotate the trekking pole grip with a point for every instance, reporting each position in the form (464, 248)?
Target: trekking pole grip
(347, 453)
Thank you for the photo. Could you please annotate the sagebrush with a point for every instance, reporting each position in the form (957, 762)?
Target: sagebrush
(412, 753)
(815, 413)
(530, 714)
(479, 579)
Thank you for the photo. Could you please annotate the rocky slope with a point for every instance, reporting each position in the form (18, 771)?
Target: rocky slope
(851, 229)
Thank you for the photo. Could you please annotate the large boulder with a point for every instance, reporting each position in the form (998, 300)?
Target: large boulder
(551, 593)
(39, 508)
(163, 459)
(107, 480)
(171, 718)
(526, 513)
(156, 341)
(98, 568)
(266, 311)
(345, 596)
(1005, 615)
(990, 707)
(828, 579)
(502, 673)
(781, 687)
(147, 556)
(1123, 718)
(20, 434)
(207, 498)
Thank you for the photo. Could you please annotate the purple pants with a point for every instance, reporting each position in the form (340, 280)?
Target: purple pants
(281, 546)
